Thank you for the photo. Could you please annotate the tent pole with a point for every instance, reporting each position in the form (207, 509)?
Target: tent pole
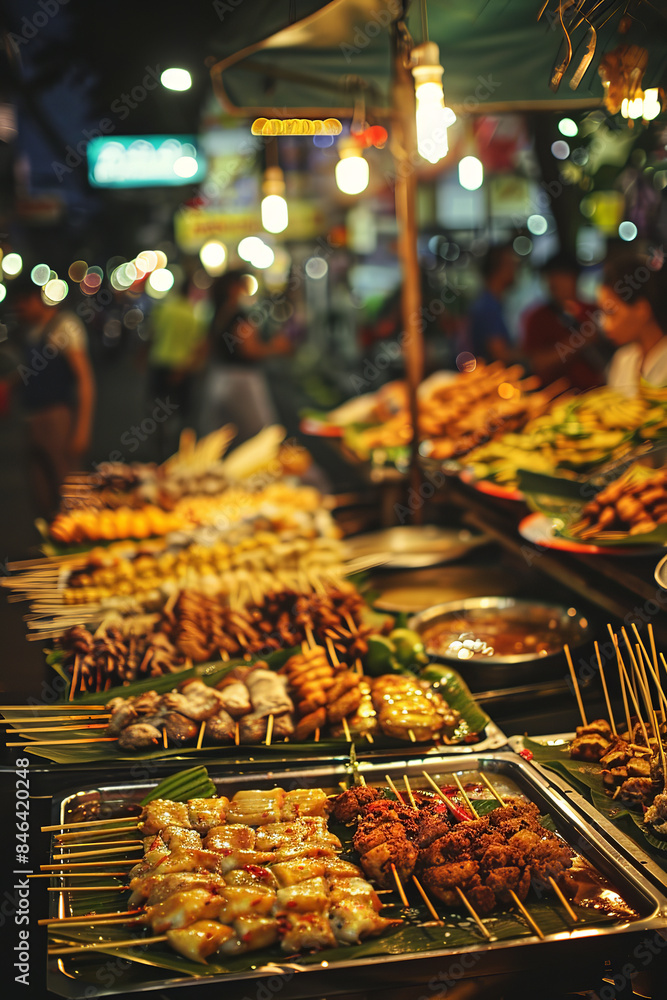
(404, 152)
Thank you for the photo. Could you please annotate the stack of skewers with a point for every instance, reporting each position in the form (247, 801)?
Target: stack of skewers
(226, 876)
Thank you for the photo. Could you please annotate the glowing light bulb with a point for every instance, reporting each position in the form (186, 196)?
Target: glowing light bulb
(652, 105)
(176, 79)
(274, 213)
(432, 117)
(471, 173)
(352, 171)
(12, 265)
(213, 256)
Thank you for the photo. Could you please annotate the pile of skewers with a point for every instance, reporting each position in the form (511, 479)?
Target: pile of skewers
(635, 504)
(632, 757)
(226, 876)
(194, 627)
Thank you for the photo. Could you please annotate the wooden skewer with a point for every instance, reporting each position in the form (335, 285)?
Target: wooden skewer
(92, 854)
(54, 729)
(317, 735)
(97, 843)
(200, 738)
(656, 679)
(91, 822)
(408, 788)
(661, 751)
(448, 802)
(394, 790)
(165, 738)
(369, 737)
(88, 888)
(429, 905)
(130, 943)
(399, 885)
(575, 685)
(54, 718)
(76, 874)
(619, 663)
(346, 730)
(65, 743)
(358, 666)
(333, 655)
(491, 788)
(643, 683)
(473, 913)
(413, 738)
(526, 914)
(564, 900)
(604, 688)
(75, 676)
(53, 708)
(633, 696)
(237, 734)
(269, 730)
(464, 796)
(83, 918)
(362, 780)
(62, 865)
(309, 636)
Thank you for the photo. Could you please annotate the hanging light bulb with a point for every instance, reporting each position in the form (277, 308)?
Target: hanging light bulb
(352, 172)
(471, 173)
(652, 104)
(433, 118)
(274, 207)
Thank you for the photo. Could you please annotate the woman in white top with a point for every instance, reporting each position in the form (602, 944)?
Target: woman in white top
(633, 299)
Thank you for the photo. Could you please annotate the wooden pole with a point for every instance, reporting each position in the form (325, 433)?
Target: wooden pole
(406, 159)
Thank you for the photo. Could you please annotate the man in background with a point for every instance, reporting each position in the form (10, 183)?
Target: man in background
(560, 337)
(489, 336)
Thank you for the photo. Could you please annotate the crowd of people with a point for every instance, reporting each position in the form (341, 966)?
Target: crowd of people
(620, 339)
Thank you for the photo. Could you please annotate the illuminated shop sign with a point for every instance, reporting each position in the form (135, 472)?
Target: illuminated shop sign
(144, 161)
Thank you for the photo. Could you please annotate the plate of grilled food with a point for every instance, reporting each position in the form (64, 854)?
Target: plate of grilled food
(295, 702)
(313, 874)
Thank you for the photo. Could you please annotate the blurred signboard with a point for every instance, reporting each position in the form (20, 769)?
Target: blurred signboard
(194, 226)
(132, 161)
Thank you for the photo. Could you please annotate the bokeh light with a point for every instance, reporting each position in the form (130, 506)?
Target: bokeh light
(316, 267)
(77, 271)
(568, 127)
(627, 231)
(537, 225)
(40, 274)
(54, 291)
(185, 166)
(248, 246)
(522, 245)
(560, 149)
(176, 78)
(12, 265)
(213, 256)
(161, 280)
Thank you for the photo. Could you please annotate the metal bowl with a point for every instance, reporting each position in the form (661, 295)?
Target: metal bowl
(566, 625)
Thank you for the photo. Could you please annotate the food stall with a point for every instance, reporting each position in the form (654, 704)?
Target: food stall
(252, 753)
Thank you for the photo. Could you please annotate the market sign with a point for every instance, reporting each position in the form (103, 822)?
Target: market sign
(194, 226)
(144, 161)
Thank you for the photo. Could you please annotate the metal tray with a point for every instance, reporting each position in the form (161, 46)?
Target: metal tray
(627, 845)
(587, 945)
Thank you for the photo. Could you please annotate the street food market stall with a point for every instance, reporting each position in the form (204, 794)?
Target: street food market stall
(267, 752)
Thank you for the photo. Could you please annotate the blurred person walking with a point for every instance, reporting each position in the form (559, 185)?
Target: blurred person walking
(489, 336)
(177, 351)
(633, 300)
(57, 390)
(560, 337)
(237, 390)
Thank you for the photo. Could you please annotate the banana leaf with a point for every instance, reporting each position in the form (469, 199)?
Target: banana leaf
(450, 685)
(586, 779)
(417, 935)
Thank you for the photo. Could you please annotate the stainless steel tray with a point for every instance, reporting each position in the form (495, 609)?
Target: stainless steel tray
(630, 848)
(587, 946)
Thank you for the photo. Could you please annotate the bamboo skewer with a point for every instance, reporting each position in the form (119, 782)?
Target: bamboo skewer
(165, 738)
(464, 796)
(473, 913)
(200, 738)
(491, 788)
(83, 918)
(63, 839)
(76, 875)
(130, 943)
(633, 696)
(429, 905)
(127, 862)
(575, 685)
(394, 789)
(408, 788)
(619, 663)
(346, 730)
(237, 734)
(448, 802)
(661, 751)
(53, 729)
(656, 681)
(91, 822)
(54, 718)
(531, 923)
(98, 843)
(563, 899)
(269, 730)
(92, 854)
(333, 655)
(50, 743)
(399, 885)
(53, 708)
(88, 888)
(413, 738)
(604, 688)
